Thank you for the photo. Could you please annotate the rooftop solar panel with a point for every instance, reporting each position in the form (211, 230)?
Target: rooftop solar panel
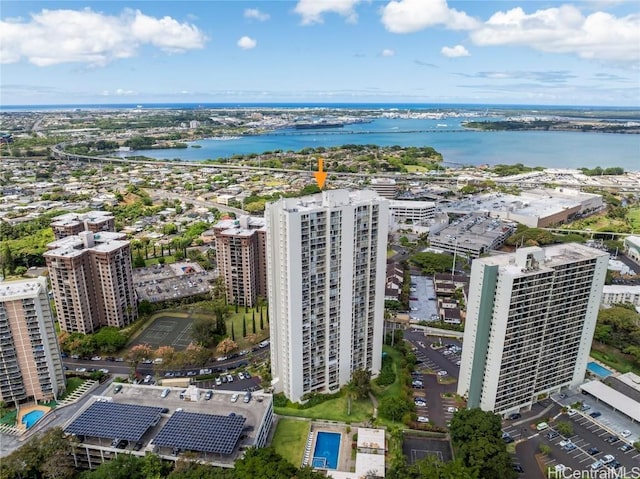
(201, 432)
(115, 420)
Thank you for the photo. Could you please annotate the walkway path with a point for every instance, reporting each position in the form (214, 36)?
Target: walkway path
(78, 392)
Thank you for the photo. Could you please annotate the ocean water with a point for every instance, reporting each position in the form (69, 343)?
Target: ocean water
(560, 149)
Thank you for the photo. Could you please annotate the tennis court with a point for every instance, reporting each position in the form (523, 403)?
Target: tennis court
(167, 330)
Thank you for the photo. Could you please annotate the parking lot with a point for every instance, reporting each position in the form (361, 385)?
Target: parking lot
(434, 381)
(422, 299)
(591, 447)
(166, 282)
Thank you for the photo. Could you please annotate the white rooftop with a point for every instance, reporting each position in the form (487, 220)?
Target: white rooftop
(369, 463)
(630, 379)
(613, 398)
(371, 438)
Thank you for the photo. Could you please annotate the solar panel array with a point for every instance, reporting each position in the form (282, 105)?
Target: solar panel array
(115, 420)
(201, 432)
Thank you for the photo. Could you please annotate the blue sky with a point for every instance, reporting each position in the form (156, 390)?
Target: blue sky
(417, 51)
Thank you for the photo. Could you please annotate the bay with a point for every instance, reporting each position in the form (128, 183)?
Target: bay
(459, 146)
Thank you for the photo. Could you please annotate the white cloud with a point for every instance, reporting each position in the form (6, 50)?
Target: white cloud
(63, 36)
(387, 52)
(247, 43)
(256, 14)
(311, 11)
(565, 29)
(455, 52)
(407, 16)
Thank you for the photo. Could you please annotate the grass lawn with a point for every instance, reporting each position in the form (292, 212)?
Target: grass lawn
(415, 168)
(633, 215)
(290, 438)
(203, 309)
(613, 358)
(392, 389)
(332, 410)
(167, 260)
(73, 383)
(9, 417)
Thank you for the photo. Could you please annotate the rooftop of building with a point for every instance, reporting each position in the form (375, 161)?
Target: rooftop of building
(329, 199)
(544, 258)
(90, 216)
(535, 203)
(10, 290)
(411, 204)
(71, 246)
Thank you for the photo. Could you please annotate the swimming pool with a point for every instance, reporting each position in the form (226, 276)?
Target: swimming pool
(327, 450)
(31, 418)
(598, 370)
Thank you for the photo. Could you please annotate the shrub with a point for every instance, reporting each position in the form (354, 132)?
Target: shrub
(386, 376)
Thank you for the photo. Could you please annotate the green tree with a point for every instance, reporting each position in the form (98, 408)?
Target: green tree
(361, 378)
(244, 326)
(253, 322)
(565, 428)
(233, 333)
(8, 265)
(393, 408)
(109, 339)
(351, 393)
(477, 437)
(204, 331)
(266, 463)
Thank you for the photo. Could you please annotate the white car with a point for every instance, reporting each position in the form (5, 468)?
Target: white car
(104, 370)
(218, 382)
(625, 433)
(564, 442)
(452, 409)
(234, 398)
(423, 419)
(572, 412)
(442, 373)
(229, 378)
(560, 468)
(607, 459)
(96, 358)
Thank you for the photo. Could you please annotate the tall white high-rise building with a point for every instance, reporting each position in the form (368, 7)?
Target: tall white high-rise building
(326, 257)
(30, 361)
(530, 322)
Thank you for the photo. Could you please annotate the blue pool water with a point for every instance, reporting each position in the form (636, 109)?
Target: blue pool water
(31, 418)
(325, 454)
(598, 370)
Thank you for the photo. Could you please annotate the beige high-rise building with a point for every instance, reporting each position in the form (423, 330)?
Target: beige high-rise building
(30, 363)
(241, 255)
(71, 224)
(91, 281)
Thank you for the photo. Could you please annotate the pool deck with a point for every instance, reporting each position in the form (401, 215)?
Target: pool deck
(24, 410)
(344, 457)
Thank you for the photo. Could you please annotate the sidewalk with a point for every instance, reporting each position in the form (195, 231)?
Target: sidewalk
(78, 393)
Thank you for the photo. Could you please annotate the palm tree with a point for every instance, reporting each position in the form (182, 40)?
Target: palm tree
(351, 391)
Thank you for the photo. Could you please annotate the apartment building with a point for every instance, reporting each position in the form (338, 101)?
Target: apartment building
(241, 256)
(71, 224)
(30, 363)
(530, 322)
(326, 256)
(91, 281)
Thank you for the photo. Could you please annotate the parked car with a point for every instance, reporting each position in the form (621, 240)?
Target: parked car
(570, 447)
(117, 389)
(564, 442)
(208, 395)
(234, 398)
(423, 419)
(518, 468)
(104, 370)
(96, 358)
(585, 407)
(625, 433)
(552, 435)
(515, 415)
(81, 370)
(165, 392)
(595, 414)
(138, 446)
(593, 451)
(612, 439)
(625, 447)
